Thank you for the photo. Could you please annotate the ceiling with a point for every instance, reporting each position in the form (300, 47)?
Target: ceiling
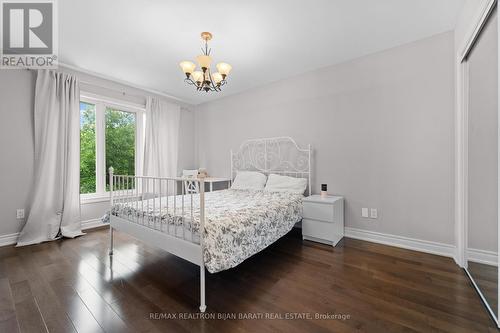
(142, 42)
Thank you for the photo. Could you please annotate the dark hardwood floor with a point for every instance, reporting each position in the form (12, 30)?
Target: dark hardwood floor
(74, 286)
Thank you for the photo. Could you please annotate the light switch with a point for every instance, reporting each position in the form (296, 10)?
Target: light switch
(364, 212)
(373, 213)
(20, 214)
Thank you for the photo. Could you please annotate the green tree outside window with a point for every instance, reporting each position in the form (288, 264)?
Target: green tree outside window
(120, 130)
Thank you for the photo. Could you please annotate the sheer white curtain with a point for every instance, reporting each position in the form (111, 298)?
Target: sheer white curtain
(161, 147)
(55, 203)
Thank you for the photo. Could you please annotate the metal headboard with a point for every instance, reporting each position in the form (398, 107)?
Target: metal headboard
(279, 155)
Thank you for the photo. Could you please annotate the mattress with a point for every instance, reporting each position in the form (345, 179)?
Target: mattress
(238, 223)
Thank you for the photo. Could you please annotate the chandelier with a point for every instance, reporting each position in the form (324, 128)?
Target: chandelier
(205, 80)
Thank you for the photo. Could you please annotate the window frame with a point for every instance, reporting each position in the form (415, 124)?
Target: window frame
(101, 103)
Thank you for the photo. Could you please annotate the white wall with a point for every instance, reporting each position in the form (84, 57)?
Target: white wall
(382, 129)
(17, 148)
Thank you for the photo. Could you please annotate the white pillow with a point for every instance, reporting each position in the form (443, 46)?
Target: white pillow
(249, 180)
(277, 183)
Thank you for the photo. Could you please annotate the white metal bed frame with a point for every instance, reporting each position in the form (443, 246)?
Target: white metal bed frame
(273, 155)
(279, 155)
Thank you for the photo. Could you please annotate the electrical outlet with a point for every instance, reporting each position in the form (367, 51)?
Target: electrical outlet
(364, 212)
(20, 214)
(373, 213)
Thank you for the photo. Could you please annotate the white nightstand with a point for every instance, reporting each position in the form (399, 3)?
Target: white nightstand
(323, 219)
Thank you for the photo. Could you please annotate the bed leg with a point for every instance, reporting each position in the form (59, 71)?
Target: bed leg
(203, 306)
(110, 240)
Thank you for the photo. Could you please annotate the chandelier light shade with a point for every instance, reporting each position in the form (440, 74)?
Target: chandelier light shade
(224, 68)
(187, 66)
(204, 61)
(204, 79)
(197, 76)
(217, 77)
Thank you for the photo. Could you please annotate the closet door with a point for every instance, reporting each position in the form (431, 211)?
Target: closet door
(482, 145)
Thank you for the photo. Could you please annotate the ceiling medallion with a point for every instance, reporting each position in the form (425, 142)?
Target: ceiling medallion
(205, 80)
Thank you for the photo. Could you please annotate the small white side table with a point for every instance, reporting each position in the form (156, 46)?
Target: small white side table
(323, 219)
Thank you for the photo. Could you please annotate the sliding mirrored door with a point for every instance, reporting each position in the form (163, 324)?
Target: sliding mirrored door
(482, 163)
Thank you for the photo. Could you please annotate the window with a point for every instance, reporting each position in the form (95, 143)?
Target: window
(120, 142)
(87, 148)
(111, 134)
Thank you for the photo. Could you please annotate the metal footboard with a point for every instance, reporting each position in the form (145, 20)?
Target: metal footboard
(160, 212)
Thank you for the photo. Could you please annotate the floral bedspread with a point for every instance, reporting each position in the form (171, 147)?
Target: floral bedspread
(238, 223)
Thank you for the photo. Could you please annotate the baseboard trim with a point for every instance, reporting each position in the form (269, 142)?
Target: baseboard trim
(441, 249)
(8, 239)
(93, 223)
(482, 257)
(11, 239)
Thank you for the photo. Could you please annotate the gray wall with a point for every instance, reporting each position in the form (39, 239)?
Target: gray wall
(17, 148)
(17, 90)
(382, 129)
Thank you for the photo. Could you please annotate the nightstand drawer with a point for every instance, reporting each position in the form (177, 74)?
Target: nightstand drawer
(317, 229)
(318, 211)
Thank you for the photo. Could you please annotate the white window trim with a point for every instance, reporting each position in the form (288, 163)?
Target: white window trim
(101, 103)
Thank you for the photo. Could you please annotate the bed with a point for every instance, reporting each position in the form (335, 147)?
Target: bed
(214, 230)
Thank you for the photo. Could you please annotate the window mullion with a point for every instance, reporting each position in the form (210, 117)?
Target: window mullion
(139, 143)
(100, 149)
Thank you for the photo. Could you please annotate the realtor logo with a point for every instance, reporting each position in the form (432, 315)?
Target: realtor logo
(28, 34)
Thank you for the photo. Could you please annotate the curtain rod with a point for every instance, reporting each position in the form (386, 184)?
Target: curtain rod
(112, 89)
(124, 83)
